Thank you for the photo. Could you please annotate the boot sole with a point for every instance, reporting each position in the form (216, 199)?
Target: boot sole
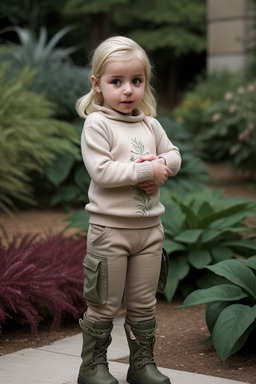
(81, 380)
(134, 380)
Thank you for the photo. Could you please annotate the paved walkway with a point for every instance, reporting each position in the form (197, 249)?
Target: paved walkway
(59, 362)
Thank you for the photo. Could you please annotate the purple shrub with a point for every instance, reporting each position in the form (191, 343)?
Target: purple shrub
(41, 278)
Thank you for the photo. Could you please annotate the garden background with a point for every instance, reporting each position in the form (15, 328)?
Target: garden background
(209, 231)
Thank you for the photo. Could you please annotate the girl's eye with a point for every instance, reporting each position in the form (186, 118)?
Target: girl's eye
(116, 82)
(136, 81)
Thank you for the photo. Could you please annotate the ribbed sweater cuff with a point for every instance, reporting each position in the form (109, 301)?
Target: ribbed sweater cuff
(173, 161)
(145, 171)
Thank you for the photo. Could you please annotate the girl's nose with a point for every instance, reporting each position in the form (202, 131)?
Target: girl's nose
(127, 88)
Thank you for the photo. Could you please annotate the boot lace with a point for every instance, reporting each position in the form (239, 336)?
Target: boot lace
(146, 354)
(99, 356)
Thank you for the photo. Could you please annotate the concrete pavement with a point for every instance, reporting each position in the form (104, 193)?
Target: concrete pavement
(58, 363)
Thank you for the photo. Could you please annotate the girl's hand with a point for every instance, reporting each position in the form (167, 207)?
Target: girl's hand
(146, 158)
(160, 172)
(149, 187)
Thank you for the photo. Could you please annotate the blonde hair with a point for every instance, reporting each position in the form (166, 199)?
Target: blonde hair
(116, 49)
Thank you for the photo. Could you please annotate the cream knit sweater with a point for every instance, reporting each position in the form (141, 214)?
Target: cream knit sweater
(110, 143)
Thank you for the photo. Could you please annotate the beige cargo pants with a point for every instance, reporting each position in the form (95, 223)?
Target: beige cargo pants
(122, 265)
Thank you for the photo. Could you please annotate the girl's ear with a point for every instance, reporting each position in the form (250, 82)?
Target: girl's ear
(96, 84)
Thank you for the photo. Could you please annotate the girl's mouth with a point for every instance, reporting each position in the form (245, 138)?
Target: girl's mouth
(127, 103)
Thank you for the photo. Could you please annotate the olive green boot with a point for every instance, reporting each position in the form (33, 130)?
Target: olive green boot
(141, 339)
(96, 339)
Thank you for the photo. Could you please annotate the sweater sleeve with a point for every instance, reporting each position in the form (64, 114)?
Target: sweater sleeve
(102, 167)
(167, 150)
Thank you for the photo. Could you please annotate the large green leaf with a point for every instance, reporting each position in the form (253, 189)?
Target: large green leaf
(172, 219)
(80, 219)
(191, 219)
(199, 258)
(232, 220)
(228, 219)
(242, 247)
(205, 210)
(59, 170)
(231, 324)
(81, 178)
(223, 292)
(213, 310)
(221, 213)
(210, 279)
(212, 234)
(242, 339)
(220, 253)
(178, 270)
(209, 235)
(207, 341)
(251, 262)
(179, 266)
(237, 206)
(189, 236)
(173, 246)
(171, 287)
(238, 274)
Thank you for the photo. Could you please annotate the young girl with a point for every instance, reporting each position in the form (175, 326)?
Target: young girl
(128, 156)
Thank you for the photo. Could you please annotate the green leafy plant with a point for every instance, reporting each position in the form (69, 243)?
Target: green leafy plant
(231, 305)
(193, 173)
(202, 228)
(232, 134)
(65, 181)
(38, 52)
(30, 138)
(199, 97)
(79, 220)
(219, 113)
(63, 85)
(70, 182)
(55, 75)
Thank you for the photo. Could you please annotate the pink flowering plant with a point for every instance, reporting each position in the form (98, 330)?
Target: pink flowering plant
(231, 132)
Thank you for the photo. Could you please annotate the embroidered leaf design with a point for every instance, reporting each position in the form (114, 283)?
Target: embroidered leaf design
(144, 205)
(144, 201)
(138, 149)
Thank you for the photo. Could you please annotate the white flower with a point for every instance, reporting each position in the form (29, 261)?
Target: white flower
(216, 117)
(228, 96)
(241, 90)
(251, 87)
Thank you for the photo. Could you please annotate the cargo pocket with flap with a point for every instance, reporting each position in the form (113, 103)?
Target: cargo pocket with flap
(95, 278)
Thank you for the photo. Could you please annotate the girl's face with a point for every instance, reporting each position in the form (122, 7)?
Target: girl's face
(122, 85)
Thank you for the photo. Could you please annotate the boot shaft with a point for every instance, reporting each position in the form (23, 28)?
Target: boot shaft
(96, 339)
(141, 340)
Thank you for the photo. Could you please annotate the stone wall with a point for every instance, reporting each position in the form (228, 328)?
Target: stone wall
(231, 33)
